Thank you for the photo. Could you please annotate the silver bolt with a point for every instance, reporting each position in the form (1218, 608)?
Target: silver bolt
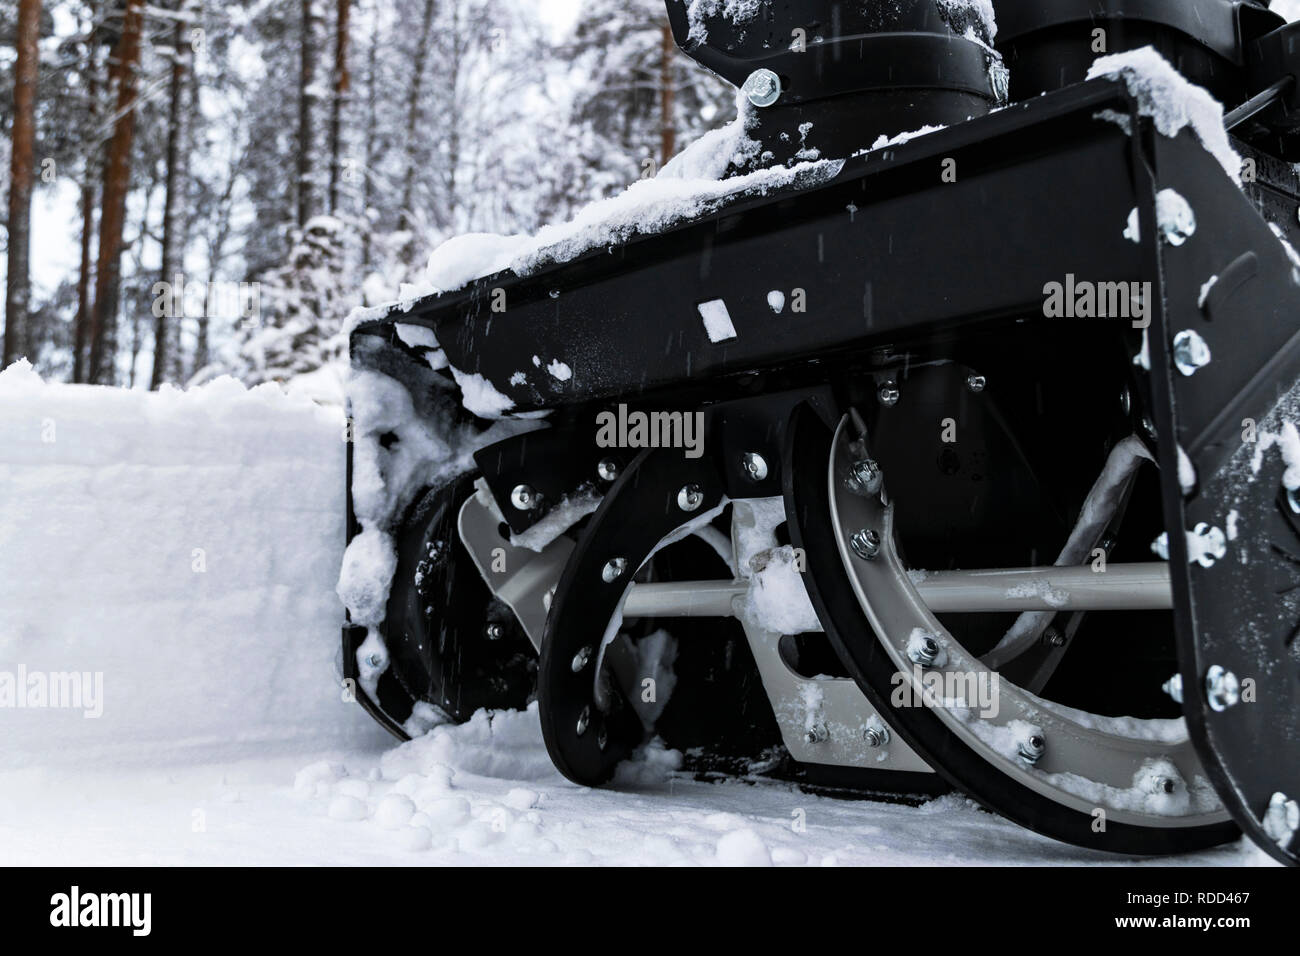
(754, 465)
(888, 394)
(1222, 689)
(602, 737)
(763, 87)
(524, 498)
(1125, 400)
(1174, 688)
(876, 736)
(1149, 427)
(690, 498)
(613, 570)
(1165, 785)
(865, 543)
(1032, 748)
(1054, 637)
(607, 469)
(1190, 352)
(976, 382)
(584, 721)
(865, 477)
(581, 658)
(374, 660)
(1293, 500)
(494, 632)
(816, 734)
(923, 650)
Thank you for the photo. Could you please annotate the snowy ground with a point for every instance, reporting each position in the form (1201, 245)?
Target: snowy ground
(179, 553)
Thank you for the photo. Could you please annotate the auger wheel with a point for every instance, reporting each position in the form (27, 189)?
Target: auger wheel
(1130, 786)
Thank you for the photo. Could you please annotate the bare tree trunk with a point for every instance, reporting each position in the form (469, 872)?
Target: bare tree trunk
(306, 93)
(667, 126)
(372, 123)
(83, 280)
(18, 281)
(342, 83)
(82, 321)
(117, 182)
(413, 115)
(166, 353)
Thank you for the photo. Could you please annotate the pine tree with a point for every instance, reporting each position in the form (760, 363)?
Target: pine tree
(22, 174)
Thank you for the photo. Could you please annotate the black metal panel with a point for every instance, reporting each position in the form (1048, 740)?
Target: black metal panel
(1242, 612)
(875, 251)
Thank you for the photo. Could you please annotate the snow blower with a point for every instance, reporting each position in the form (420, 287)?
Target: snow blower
(932, 426)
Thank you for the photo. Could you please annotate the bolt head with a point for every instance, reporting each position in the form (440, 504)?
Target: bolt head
(607, 469)
(1054, 637)
(374, 660)
(581, 659)
(524, 497)
(754, 465)
(865, 543)
(888, 394)
(494, 632)
(923, 649)
(976, 382)
(876, 736)
(1191, 352)
(613, 570)
(584, 721)
(1222, 689)
(762, 87)
(1033, 747)
(690, 498)
(1174, 688)
(865, 477)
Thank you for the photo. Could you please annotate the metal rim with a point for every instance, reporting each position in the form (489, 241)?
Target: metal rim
(1078, 746)
(807, 494)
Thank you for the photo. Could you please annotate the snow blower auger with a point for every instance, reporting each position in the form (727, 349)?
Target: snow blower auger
(944, 440)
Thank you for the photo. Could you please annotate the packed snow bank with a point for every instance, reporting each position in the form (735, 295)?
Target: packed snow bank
(1171, 101)
(167, 563)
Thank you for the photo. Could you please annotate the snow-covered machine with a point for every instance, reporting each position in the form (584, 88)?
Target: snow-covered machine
(932, 425)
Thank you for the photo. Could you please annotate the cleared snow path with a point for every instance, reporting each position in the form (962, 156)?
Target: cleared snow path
(185, 548)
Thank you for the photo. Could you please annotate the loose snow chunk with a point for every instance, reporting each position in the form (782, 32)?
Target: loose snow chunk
(776, 301)
(416, 335)
(712, 154)
(743, 848)
(480, 396)
(1175, 220)
(559, 370)
(969, 13)
(1171, 101)
(1186, 472)
(717, 321)
(1205, 291)
(882, 141)
(368, 566)
(738, 12)
(777, 597)
(462, 259)
(1174, 217)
